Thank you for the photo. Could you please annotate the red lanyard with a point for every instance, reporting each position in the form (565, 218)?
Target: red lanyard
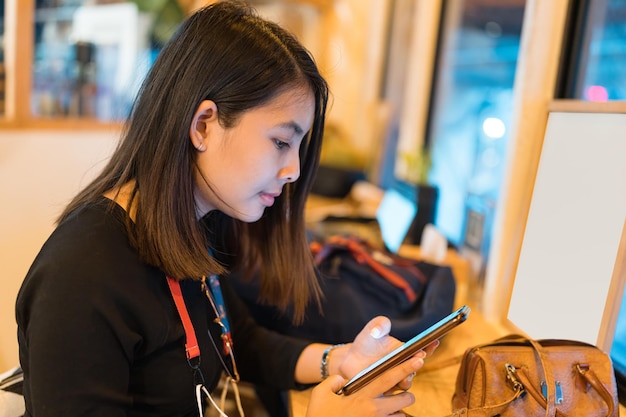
(192, 349)
(191, 343)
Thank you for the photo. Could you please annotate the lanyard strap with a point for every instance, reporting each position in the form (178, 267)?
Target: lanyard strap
(191, 343)
(220, 311)
(193, 351)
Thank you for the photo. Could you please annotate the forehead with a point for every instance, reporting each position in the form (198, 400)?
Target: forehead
(289, 98)
(291, 105)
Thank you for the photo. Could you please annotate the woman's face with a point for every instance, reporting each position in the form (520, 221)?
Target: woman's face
(248, 164)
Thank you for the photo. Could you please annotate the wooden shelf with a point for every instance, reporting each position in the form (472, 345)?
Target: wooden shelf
(71, 123)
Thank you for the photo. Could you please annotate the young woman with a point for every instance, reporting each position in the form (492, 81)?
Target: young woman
(211, 175)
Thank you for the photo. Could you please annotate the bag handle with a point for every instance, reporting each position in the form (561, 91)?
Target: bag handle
(550, 405)
(525, 384)
(550, 402)
(586, 373)
(491, 410)
(592, 379)
(522, 384)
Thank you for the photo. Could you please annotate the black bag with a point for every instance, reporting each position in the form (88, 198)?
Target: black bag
(360, 282)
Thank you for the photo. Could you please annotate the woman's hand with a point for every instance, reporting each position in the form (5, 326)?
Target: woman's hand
(372, 343)
(378, 398)
(368, 401)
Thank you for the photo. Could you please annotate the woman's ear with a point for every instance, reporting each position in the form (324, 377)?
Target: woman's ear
(203, 120)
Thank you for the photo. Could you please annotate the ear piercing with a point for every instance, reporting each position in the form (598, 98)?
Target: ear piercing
(201, 147)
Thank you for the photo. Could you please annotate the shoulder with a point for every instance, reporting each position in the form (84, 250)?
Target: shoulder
(89, 244)
(87, 263)
(88, 277)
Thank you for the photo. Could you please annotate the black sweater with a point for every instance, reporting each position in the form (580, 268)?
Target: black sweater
(99, 334)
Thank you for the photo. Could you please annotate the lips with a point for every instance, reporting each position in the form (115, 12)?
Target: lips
(268, 198)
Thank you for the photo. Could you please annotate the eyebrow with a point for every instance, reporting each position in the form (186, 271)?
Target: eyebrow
(293, 125)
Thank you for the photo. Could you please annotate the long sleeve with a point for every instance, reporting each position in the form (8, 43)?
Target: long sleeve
(98, 330)
(263, 356)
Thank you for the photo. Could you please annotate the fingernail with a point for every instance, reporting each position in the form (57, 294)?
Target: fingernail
(421, 354)
(410, 378)
(418, 362)
(376, 333)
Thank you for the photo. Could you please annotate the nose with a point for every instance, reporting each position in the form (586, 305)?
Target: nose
(291, 171)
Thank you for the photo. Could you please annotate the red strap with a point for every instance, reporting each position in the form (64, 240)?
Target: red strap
(191, 343)
(361, 255)
(394, 278)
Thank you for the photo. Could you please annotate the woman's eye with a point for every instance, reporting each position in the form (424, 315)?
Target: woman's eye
(281, 144)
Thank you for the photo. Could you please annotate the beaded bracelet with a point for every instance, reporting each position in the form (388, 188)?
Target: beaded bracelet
(326, 357)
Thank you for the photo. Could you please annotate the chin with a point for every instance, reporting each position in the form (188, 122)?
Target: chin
(247, 213)
(250, 217)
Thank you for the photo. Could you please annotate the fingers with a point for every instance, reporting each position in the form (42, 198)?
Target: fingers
(405, 384)
(333, 383)
(394, 376)
(430, 349)
(325, 402)
(390, 405)
(427, 351)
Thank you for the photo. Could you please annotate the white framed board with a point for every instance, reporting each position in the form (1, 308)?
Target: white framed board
(571, 271)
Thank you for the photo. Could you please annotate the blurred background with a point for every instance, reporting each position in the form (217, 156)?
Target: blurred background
(423, 96)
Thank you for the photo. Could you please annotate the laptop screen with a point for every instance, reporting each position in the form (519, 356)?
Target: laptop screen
(395, 215)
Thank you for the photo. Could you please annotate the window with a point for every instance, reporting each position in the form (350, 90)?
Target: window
(2, 68)
(398, 47)
(596, 71)
(90, 57)
(618, 352)
(471, 110)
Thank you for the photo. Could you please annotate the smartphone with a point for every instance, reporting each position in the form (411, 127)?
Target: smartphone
(404, 352)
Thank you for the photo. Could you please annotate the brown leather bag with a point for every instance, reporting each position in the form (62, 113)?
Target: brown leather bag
(517, 376)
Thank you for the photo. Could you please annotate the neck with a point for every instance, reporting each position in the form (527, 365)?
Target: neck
(122, 197)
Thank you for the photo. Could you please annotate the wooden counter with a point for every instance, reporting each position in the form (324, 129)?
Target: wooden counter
(433, 386)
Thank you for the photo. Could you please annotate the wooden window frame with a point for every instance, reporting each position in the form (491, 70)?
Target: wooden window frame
(19, 54)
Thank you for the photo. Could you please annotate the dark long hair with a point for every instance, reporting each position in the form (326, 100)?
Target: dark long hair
(225, 53)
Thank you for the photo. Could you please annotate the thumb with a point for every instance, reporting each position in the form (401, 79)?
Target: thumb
(378, 327)
(367, 342)
(333, 383)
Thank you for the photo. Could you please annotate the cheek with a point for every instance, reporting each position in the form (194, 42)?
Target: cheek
(253, 163)
(213, 173)
(246, 158)
(233, 171)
